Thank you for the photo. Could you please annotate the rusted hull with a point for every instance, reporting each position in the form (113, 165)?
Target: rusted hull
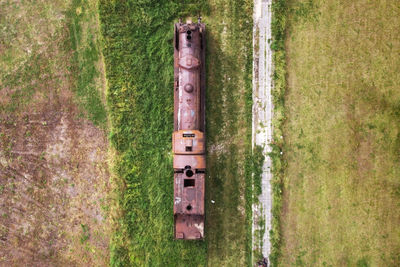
(189, 127)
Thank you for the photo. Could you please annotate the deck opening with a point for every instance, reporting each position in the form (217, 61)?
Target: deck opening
(188, 149)
(188, 183)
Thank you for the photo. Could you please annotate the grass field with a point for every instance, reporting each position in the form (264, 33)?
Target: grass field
(53, 124)
(53, 158)
(342, 134)
(229, 88)
(138, 54)
(336, 104)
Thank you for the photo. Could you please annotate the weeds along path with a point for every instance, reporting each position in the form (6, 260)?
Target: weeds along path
(229, 88)
(262, 122)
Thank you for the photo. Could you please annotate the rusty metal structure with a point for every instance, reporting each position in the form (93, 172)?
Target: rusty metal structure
(188, 140)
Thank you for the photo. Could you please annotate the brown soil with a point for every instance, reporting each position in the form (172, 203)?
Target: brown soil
(54, 177)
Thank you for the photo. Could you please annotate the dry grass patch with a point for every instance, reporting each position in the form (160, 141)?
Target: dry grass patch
(342, 134)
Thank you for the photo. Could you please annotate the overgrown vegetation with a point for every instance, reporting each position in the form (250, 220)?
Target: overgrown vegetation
(138, 53)
(257, 161)
(278, 27)
(341, 205)
(139, 60)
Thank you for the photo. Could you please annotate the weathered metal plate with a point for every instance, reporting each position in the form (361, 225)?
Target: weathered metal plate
(189, 194)
(188, 142)
(189, 227)
(194, 161)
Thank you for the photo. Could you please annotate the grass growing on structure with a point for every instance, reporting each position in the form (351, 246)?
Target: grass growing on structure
(342, 135)
(257, 170)
(258, 161)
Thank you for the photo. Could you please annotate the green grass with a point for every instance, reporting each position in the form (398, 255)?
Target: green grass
(86, 60)
(29, 55)
(257, 161)
(278, 27)
(37, 56)
(230, 159)
(341, 182)
(139, 61)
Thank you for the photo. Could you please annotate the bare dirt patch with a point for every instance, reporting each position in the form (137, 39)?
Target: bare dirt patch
(53, 182)
(54, 175)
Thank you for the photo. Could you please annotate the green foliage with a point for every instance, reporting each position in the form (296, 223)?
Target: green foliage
(363, 262)
(138, 55)
(85, 235)
(303, 11)
(258, 161)
(278, 25)
(229, 118)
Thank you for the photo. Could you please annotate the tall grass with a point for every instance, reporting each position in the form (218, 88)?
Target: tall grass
(278, 25)
(138, 55)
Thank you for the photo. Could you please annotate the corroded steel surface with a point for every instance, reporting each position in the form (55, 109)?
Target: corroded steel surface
(188, 140)
(183, 139)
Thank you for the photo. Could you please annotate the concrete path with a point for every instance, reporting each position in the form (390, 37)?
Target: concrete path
(262, 119)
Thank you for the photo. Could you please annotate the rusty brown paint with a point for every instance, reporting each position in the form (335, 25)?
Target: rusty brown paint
(195, 140)
(188, 139)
